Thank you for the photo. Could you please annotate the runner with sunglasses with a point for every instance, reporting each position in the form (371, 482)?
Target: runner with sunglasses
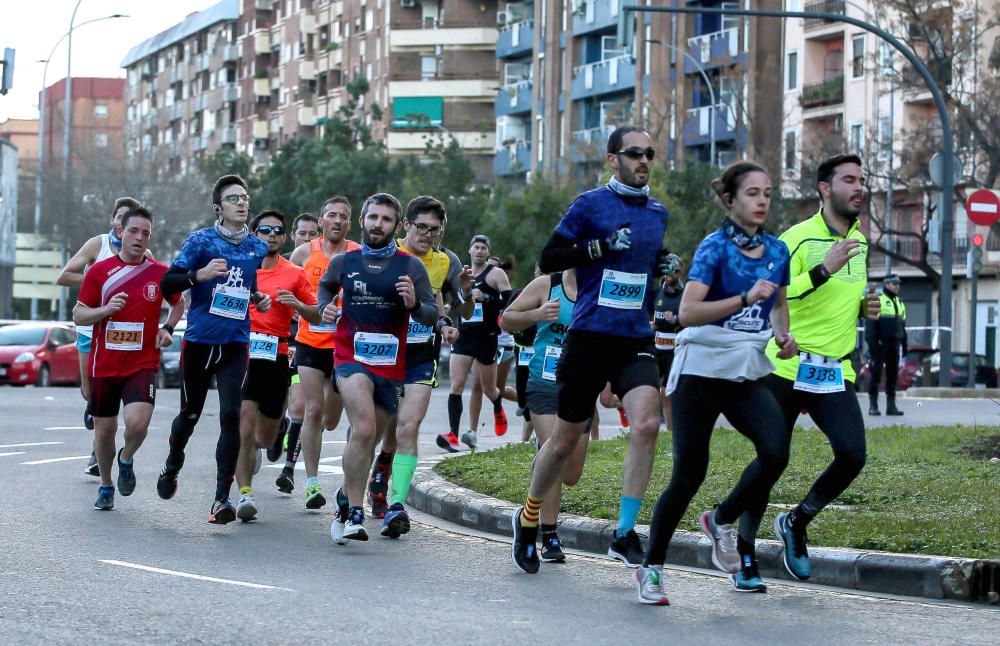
(612, 236)
(266, 386)
(219, 265)
(734, 302)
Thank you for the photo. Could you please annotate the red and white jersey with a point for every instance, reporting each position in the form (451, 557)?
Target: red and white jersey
(125, 342)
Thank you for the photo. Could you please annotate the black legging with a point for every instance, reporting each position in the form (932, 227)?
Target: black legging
(885, 355)
(198, 363)
(521, 386)
(838, 416)
(695, 407)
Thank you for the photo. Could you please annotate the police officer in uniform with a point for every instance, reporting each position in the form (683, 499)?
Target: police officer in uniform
(885, 337)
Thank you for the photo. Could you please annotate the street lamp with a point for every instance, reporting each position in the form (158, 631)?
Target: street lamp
(708, 84)
(41, 131)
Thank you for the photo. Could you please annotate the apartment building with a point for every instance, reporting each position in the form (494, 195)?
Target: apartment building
(430, 67)
(98, 119)
(696, 82)
(181, 89)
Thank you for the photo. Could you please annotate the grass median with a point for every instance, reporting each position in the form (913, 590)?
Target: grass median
(930, 490)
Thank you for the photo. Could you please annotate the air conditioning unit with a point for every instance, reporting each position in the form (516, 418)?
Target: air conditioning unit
(503, 17)
(409, 4)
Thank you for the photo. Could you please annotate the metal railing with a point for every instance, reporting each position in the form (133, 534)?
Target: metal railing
(703, 43)
(824, 6)
(593, 136)
(829, 92)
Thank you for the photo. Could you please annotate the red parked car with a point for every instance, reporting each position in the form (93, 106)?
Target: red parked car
(38, 353)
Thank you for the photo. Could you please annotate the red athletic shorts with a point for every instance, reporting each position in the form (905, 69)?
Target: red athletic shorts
(107, 393)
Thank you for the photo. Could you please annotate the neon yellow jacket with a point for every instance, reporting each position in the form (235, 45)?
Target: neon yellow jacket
(823, 319)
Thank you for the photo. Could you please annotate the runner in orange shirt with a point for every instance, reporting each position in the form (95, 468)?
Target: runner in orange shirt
(268, 377)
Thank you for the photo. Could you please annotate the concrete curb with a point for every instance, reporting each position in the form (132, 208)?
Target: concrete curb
(933, 577)
(953, 393)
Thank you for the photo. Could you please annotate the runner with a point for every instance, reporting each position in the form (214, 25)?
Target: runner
(98, 248)
(733, 303)
(383, 287)
(219, 265)
(314, 355)
(266, 386)
(424, 223)
(476, 348)
(665, 327)
(612, 236)
(305, 228)
(826, 297)
(547, 304)
(121, 295)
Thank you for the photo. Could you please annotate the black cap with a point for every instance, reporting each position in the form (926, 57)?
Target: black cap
(481, 238)
(891, 278)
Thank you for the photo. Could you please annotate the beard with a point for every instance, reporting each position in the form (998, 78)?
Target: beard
(373, 241)
(844, 208)
(629, 179)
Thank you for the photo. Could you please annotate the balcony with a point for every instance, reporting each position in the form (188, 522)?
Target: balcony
(176, 111)
(595, 15)
(201, 62)
(199, 142)
(260, 129)
(176, 74)
(263, 5)
(261, 87)
(712, 50)
(697, 129)
(230, 92)
(433, 33)
(261, 42)
(609, 76)
(228, 136)
(200, 102)
(307, 70)
(337, 8)
(446, 84)
(307, 116)
(416, 140)
(587, 141)
(516, 39)
(512, 159)
(307, 23)
(514, 98)
(230, 54)
(818, 95)
(824, 6)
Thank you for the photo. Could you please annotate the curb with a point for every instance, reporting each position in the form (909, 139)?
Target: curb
(952, 393)
(932, 577)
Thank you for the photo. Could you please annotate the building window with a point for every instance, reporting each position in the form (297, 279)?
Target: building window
(884, 137)
(790, 150)
(856, 142)
(792, 72)
(858, 57)
(428, 68)
(101, 110)
(101, 140)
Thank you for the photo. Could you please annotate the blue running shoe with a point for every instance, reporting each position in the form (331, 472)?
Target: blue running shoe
(748, 578)
(396, 522)
(105, 498)
(126, 476)
(796, 555)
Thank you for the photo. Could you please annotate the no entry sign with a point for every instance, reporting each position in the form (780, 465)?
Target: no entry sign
(983, 207)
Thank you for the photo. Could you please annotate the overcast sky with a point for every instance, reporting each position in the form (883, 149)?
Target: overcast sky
(32, 27)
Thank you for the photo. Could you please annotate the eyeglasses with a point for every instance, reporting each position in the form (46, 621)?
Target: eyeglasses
(236, 199)
(268, 229)
(638, 153)
(428, 230)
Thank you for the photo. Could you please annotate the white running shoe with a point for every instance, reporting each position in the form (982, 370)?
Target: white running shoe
(469, 439)
(648, 581)
(725, 556)
(246, 510)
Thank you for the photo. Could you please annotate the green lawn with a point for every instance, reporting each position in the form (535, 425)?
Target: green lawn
(930, 490)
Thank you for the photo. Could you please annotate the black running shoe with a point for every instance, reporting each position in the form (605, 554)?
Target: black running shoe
(275, 450)
(627, 549)
(166, 483)
(92, 469)
(286, 481)
(552, 549)
(223, 512)
(88, 419)
(378, 492)
(523, 550)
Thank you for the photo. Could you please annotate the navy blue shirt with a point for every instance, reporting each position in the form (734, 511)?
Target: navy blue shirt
(616, 292)
(243, 260)
(728, 272)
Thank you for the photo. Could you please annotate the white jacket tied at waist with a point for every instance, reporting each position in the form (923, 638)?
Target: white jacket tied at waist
(713, 351)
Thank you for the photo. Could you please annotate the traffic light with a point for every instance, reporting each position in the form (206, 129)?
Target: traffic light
(977, 252)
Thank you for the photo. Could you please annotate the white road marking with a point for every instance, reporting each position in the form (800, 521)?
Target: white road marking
(199, 577)
(17, 446)
(301, 467)
(3, 455)
(51, 460)
(65, 428)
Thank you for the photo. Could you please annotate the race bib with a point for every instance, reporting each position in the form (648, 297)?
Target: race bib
(123, 335)
(819, 374)
(477, 314)
(375, 349)
(524, 356)
(551, 362)
(230, 302)
(323, 328)
(263, 346)
(666, 340)
(417, 333)
(621, 290)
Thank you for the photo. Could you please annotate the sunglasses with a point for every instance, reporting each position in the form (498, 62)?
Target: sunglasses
(268, 229)
(638, 153)
(236, 199)
(428, 230)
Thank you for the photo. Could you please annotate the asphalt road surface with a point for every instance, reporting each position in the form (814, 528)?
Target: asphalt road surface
(154, 571)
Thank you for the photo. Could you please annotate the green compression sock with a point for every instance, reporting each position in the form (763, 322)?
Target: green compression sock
(403, 467)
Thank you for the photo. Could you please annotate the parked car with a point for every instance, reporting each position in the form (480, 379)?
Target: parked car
(911, 370)
(169, 374)
(38, 353)
(985, 373)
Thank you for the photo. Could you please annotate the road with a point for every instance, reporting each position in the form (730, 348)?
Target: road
(154, 571)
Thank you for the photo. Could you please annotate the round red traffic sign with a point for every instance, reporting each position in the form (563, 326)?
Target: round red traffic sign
(983, 207)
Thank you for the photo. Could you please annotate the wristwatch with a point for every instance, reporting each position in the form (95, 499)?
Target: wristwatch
(743, 298)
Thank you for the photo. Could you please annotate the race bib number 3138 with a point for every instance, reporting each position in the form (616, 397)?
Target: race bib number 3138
(819, 374)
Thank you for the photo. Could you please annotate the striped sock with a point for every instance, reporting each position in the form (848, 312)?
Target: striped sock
(529, 517)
